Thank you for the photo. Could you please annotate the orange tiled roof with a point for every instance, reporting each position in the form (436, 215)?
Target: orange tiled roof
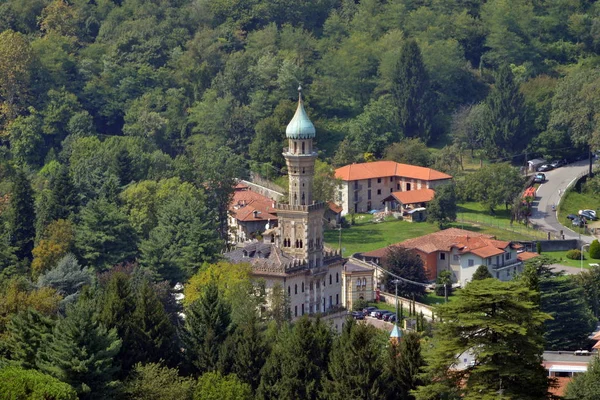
(245, 202)
(334, 207)
(414, 196)
(379, 169)
(437, 241)
(526, 255)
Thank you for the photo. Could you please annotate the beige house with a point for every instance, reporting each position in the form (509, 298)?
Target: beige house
(365, 186)
(358, 284)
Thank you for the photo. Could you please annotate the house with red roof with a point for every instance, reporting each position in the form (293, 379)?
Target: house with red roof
(461, 252)
(366, 186)
(250, 214)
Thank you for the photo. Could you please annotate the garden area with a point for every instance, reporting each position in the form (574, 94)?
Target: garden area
(573, 201)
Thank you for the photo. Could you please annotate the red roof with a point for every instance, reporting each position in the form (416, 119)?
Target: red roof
(465, 241)
(334, 207)
(379, 169)
(414, 196)
(245, 202)
(526, 255)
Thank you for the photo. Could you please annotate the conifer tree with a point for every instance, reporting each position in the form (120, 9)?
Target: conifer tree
(297, 364)
(355, 368)
(411, 93)
(68, 277)
(154, 331)
(207, 325)
(402, 367)
(64, 199)
(481, 273)
(27, 332)
(22, 217)
(585, 386)
(506, 130)
(81, 352)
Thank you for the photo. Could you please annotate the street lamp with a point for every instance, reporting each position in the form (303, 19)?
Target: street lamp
(582, 255)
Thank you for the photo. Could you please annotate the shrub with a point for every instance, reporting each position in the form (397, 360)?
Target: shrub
(574, 254)
(538, 247)
(595, 249)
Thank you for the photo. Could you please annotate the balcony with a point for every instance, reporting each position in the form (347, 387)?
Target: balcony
(507, 264)
(358, 187)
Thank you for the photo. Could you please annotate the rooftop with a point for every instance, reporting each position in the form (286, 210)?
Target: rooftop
(248, 206)
(379, 169)
(414, 196)
(300, 127)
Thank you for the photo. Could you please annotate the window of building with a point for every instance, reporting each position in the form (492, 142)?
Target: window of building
(369, 183)
(302, 287)
(302, 309)
(378, 191)
(497, 275)
(369, 194)
(407, 186)
(398, 187)
(391, 179)
(302, 147)
(358, 283)
(378, 180)
(330, 279)
(355, 184)
(295, 311)
(330, 301)
(337, 299)
(337, 278)
(456, 257)
(391, 190)
(289, 290)
(364, 282)
(471, 262)
(508, 255)
(296, 289)
(442, 256)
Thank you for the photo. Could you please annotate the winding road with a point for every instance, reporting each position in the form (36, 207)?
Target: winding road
(549, 194)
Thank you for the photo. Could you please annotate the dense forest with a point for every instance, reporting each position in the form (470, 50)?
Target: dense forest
(125, 123)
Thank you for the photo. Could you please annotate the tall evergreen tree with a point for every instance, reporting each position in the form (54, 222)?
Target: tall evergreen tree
(64, 199)
(27, 332)
(105, 237)
(402, 367)
(585, 386)
(298, 362)
(81, 352)
(506, 128)
(412, 94)
(207, 325)
(355, 367)
(499, 323)
(22, 217)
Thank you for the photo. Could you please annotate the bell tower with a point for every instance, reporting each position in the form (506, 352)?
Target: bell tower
(301, 221)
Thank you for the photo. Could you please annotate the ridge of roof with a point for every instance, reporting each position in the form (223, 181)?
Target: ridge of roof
(384, 168)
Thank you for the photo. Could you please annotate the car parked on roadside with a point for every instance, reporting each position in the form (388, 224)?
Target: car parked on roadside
(589, 214)
(387, 317)
(571, 217)
(381, 313)
(557, 163)
(545, 167)
(393, 318)
(358, 315)
(539, 178)
(374, 312)
(578, 222)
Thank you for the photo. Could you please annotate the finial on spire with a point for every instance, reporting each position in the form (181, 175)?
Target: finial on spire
(299, 92)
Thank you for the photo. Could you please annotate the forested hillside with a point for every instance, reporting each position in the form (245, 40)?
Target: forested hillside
(124, 124)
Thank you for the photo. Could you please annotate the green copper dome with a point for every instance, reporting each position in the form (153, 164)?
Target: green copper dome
(300, 126)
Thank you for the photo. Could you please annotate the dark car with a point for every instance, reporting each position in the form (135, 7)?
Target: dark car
(545, 167)
(587, 215)
(392, 318)
(379, 314)
(387, 317)
(571, 216)
(539, 178)
(578, 222)
(358, 315)
(557, 163)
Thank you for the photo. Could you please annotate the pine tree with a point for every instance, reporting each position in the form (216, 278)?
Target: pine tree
(81, 352)
(22, 217)
(207, 325)
(411, 92)
(64, 199)
(123, 167)
(585, 386)
(116, 312)
(506, 129)
(297, 364)
(68, 277)
(481, 273)
(27, 332)
(500, 325)
(355, 367)
(402, 367)
(154, 331)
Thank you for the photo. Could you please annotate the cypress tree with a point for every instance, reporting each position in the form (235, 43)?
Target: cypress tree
(22, 217)
(412, 94)
(207, 325)
(81, 352)
(595, 249)
(355, 367)
(27, 332)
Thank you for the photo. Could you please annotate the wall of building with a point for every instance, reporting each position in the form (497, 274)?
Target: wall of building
(357, 285)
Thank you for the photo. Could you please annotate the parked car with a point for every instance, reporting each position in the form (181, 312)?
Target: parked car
(539, 177)
(367, 310)
(557, 163)
(392, 318)
(545, 167)
(358, 315)
(571, 217)
(589, 214)
(578, 222)
(387, 317)
(374, 312)
(381, 313)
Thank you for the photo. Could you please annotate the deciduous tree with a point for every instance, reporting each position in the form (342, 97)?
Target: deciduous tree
(408, 265)
(442, 209)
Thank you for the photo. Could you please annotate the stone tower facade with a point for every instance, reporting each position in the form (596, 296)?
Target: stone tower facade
(301, 221)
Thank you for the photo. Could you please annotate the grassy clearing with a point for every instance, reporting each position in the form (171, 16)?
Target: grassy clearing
(561, 258)
(572, 202)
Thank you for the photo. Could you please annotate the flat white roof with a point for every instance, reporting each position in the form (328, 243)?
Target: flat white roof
(568, 368)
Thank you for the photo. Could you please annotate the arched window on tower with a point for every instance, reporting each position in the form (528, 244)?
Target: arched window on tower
(302, 147)
(297, 244)
(300, 243)
(303, 198)
(295, 147)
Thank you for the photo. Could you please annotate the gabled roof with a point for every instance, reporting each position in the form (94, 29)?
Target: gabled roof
(526, 255)
(246, 202)
(380, 169)
(334, 207)
(464, 241)
(414, 196)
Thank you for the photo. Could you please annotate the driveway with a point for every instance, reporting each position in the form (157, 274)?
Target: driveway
(549, 194)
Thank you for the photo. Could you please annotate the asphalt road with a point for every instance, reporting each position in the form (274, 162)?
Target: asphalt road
(549, 194)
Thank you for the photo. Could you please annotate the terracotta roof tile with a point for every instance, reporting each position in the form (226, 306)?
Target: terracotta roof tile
(334, 207)
(245, 202)
(414, 196)
(378, 169)
(526, 255)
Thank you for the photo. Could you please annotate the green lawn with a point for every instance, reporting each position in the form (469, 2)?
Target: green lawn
(561, 258)
(572, 202)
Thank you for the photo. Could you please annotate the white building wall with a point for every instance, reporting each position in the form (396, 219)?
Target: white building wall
(467, 269)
